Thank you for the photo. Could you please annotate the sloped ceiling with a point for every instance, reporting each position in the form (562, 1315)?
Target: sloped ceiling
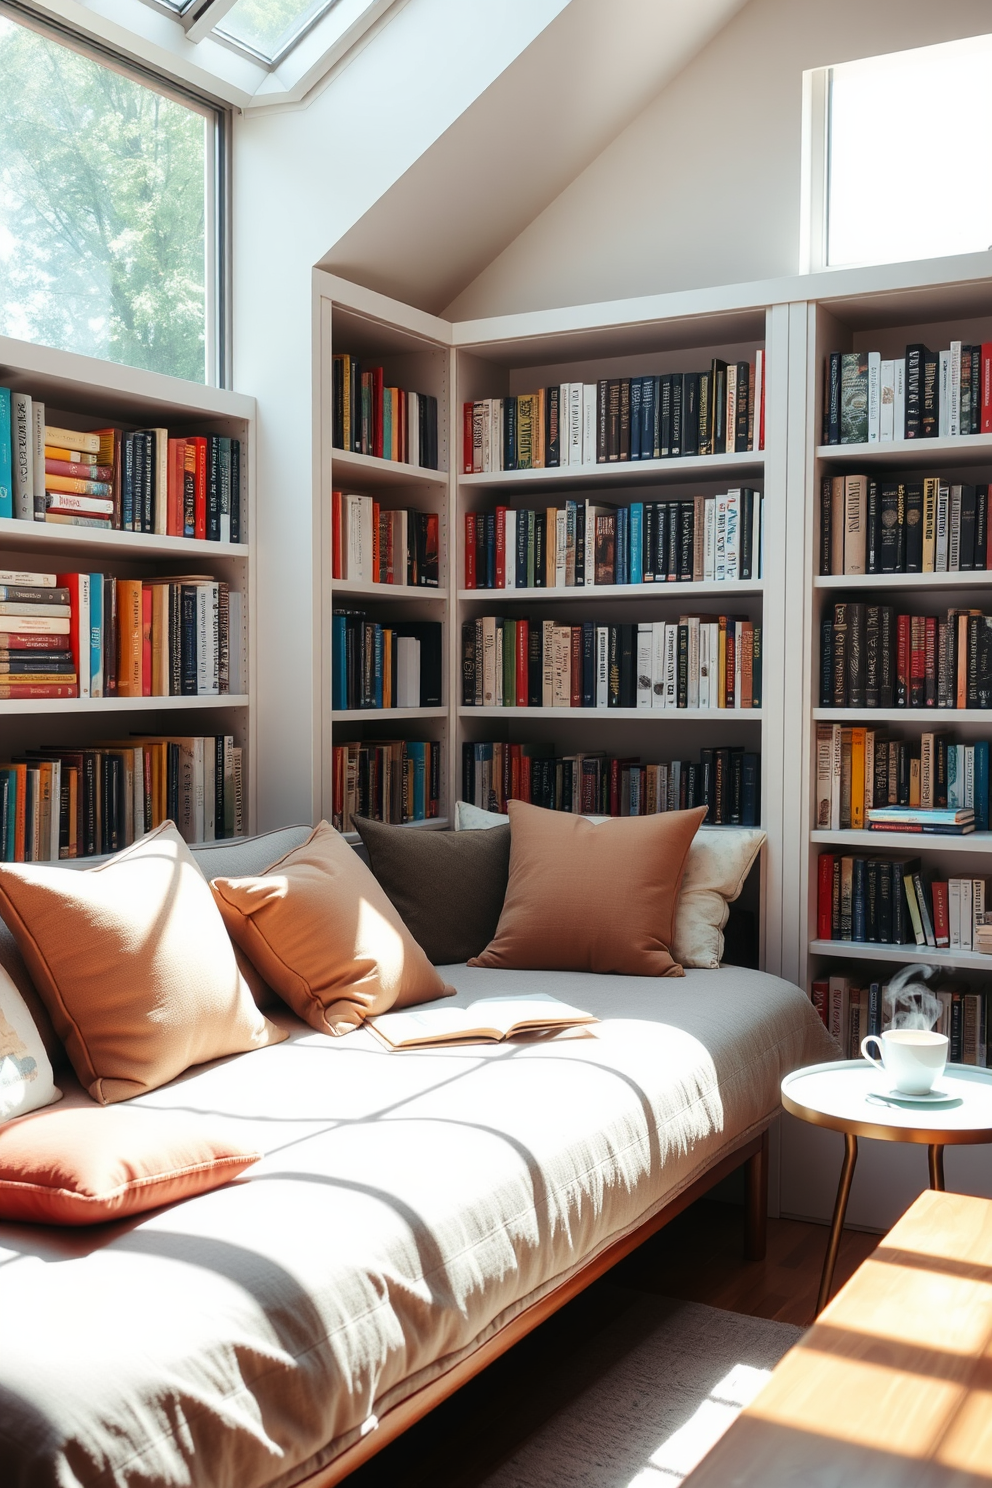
(583, 79)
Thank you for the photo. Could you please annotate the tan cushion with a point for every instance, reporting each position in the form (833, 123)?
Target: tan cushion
(719, 861)
(134, 965)
(592, 896)
(324, 935)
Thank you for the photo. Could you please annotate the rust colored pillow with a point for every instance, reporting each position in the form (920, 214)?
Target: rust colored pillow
(134, 965)
(77, 1167)
(324, 935)
(585, 896)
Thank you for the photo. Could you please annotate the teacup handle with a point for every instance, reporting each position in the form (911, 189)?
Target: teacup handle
(872, 1039)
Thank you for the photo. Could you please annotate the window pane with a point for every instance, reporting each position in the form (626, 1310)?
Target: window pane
(908, 178)
(269, 26)
(102, 210)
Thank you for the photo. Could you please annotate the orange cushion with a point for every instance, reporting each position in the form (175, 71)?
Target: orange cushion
(134, 965)
(324, 935)
(76, 1167)
(592, 896)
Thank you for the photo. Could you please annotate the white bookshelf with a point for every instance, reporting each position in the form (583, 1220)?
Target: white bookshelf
(616, 476)
(85, 393)
(590, 594)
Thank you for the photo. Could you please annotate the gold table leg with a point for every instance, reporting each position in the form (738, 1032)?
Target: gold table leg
(837, 1224)
(936, 1154)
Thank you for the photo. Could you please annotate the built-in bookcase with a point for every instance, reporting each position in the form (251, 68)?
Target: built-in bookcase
(83, 393)
(413, 350)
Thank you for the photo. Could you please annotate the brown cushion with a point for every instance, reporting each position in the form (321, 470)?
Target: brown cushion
(322, 933)
(586, 896)
(134, 965)
(83, 1166)
(448, 887)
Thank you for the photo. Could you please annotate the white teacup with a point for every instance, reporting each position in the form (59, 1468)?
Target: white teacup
(912, 1058)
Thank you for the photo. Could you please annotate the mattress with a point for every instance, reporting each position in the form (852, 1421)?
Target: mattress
(408, 1206)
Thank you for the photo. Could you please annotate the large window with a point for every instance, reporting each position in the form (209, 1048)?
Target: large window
(907, 175)
(108, 211)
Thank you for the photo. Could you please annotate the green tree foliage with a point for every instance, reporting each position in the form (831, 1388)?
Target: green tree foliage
(101, 210)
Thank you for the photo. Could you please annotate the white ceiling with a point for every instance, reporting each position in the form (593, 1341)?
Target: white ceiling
(540, 123)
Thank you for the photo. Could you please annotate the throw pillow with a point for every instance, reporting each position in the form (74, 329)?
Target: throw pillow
(134, 965)
(323, 934)
(83, 1166)
(448, 887)
(592, 896)
(719, 862)
(26, 1079)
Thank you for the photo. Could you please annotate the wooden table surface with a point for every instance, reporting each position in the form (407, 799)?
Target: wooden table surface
(892, 1386)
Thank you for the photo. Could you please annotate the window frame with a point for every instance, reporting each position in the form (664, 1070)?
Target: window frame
(217, 172)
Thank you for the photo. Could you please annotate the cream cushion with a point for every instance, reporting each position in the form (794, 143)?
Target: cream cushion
(26, 1079)
(719, 861)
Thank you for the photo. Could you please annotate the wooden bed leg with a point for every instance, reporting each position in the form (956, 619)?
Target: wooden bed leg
(756, 1203)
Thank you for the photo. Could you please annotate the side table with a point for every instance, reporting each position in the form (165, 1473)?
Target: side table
(853, 1096)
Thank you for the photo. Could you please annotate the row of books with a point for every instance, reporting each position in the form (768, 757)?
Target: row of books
(871, 399)
(884, 525)
(81, 802)
(873, 657)
(384, 666)
(889, 901)
(389, 780)
(369, 418)
(727, 781)
(709, 538)
(379, 546)
(619, 418)
(131, 480)
(700, 661)
(929, 786)
(854, 1013)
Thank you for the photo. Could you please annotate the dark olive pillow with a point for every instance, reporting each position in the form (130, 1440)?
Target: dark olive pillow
(448, 887)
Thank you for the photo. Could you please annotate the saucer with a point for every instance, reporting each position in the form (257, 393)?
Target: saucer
(900, 1098)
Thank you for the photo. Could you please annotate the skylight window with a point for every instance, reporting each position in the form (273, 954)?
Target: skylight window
(270, 27)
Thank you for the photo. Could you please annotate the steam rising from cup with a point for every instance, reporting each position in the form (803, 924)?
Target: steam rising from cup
(909, 1003)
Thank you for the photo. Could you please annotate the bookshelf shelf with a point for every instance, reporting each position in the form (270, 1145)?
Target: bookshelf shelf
(383, 475)
(860, 950)
(359, 589)
(970, 579)
(970, 449)
(99, 542)
(630, 715)
(685, 590)
(946, 716)
(913, 842)
(627, 473)
(96, 707)
(355, 715)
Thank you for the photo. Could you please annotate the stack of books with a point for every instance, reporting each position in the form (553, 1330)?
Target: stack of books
(854, 1013)
(873, 657)
(130, 480)
(390, 780)
(37, 659)
(377, 546)
(726, 781)
(928, 785)
(700, 661)
(651, 417)
(890, 901)
(384, 666)
(369, 418)
(926, 394)
(710, 538)
(888, 525)
(79, 802)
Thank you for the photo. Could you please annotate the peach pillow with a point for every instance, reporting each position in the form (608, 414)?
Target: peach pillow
(77, 1167)
(134, 965)
(324, 935)
(585, 896)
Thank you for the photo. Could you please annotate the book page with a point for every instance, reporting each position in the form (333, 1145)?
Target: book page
(537, 1011)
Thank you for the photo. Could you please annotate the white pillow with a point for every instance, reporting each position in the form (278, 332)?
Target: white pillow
(719, 861)
(26, 1079)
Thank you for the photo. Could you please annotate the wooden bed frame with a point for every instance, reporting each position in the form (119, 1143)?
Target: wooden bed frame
(753, 1156)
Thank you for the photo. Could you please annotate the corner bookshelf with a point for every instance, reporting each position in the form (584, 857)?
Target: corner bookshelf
(85, 393)
(413, 349)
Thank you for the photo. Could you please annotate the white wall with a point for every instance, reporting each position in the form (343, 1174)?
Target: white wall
(301, 178)
(703, 187)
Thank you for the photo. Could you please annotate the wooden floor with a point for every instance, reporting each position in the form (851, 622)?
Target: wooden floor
(698, 1257)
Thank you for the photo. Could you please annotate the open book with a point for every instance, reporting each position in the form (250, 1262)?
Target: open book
(489, 1020)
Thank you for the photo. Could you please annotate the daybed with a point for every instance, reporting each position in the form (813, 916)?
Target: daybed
(414, 1214)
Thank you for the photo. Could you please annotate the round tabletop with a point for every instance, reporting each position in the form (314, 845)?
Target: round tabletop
(854, 1096)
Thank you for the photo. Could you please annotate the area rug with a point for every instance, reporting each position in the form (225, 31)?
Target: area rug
(679, 1374)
